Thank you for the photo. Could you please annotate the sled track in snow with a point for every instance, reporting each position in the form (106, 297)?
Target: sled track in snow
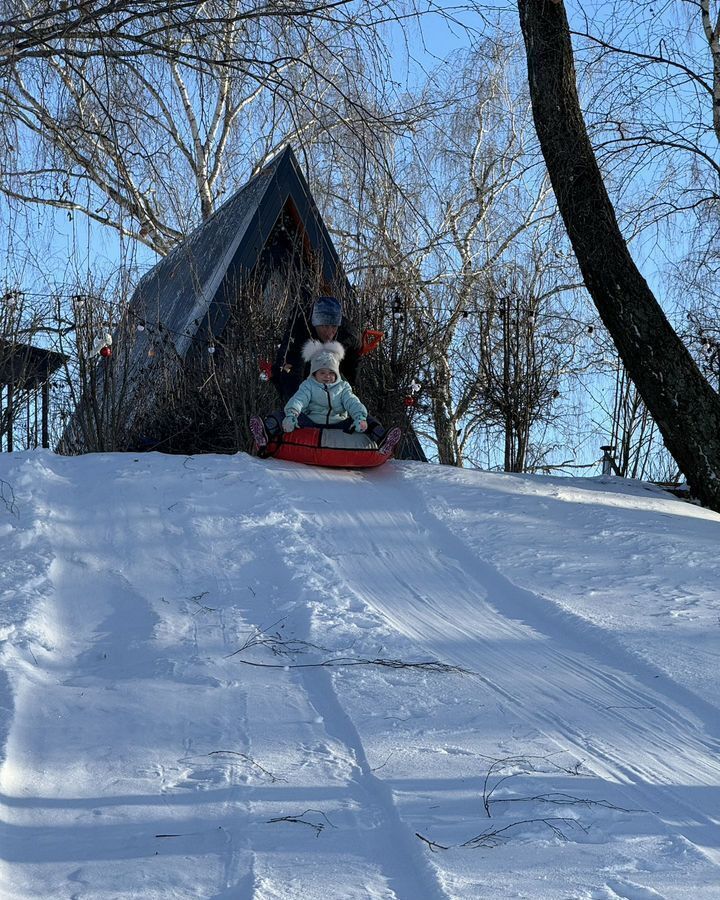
(389, 843)
(659, 739)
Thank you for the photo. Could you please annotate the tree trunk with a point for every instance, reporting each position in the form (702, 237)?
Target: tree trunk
(681, 401)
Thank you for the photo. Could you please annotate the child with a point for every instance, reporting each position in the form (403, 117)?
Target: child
(324, 400)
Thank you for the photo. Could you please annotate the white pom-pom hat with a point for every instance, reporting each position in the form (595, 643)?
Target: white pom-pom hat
(326, 355)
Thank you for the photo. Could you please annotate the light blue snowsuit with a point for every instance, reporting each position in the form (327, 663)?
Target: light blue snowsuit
(326, 404)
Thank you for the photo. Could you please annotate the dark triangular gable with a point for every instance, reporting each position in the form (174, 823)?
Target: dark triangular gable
(183, 295)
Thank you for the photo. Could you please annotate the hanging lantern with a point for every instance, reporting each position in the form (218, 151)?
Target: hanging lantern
(106, 351)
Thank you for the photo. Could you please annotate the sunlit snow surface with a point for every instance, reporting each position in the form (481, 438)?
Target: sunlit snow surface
(566, 748)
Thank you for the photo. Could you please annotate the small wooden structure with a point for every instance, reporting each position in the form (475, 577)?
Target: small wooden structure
(187, 317)
(25, 373)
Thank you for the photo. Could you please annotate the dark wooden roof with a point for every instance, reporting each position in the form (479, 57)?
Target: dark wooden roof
(25, 366)
(183, 294)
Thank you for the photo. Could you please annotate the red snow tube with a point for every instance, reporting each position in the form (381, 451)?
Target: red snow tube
(327, 447)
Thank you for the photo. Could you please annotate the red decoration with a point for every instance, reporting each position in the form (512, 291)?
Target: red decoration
(106, 351)
(370, 340)
(265, 367)
(409, 401)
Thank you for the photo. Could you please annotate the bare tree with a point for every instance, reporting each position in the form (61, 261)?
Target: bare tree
(684, 406)
(651, 82)
(141, 115)
(430, 235)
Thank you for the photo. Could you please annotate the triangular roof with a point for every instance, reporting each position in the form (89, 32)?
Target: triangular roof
(183, 292)
(185, 299)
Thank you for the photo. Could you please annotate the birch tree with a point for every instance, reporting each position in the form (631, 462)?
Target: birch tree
(142, 116)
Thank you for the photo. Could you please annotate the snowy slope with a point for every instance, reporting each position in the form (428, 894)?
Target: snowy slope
(222, 678)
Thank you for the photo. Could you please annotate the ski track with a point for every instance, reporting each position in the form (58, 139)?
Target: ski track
(578, 663)
(402, 864)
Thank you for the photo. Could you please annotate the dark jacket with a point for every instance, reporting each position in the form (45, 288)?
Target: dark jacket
(289, 369)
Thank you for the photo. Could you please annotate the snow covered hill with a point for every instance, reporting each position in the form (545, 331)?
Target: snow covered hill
(229, 678)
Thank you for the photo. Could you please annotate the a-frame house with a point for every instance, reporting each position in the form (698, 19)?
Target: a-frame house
(185, 370)
(226, 287)
(270, 221)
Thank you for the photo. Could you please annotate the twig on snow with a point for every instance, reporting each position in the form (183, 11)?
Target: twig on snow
(300, 820)
(256, 765)
(492, 837)
(276, 642)
(558, 798)
(498, 774)
(283, 646)
(428, 666)
(201, 606)
(7, 496)
(433, 845)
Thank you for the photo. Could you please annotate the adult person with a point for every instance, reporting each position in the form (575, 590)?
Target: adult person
(290, 368)
(326, 323)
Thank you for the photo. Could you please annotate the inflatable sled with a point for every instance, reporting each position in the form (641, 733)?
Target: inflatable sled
(327, 447)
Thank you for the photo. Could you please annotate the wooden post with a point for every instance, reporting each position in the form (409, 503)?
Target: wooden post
(10, 417)
(44, 413)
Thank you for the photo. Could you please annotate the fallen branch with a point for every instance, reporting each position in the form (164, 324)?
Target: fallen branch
(7, 496)
(300, 820)
(520, 765)
(276, 642)
(501, 771)
(433, 845)
(282, 646)
(492, 837)
(558, 798)
(428, 666)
